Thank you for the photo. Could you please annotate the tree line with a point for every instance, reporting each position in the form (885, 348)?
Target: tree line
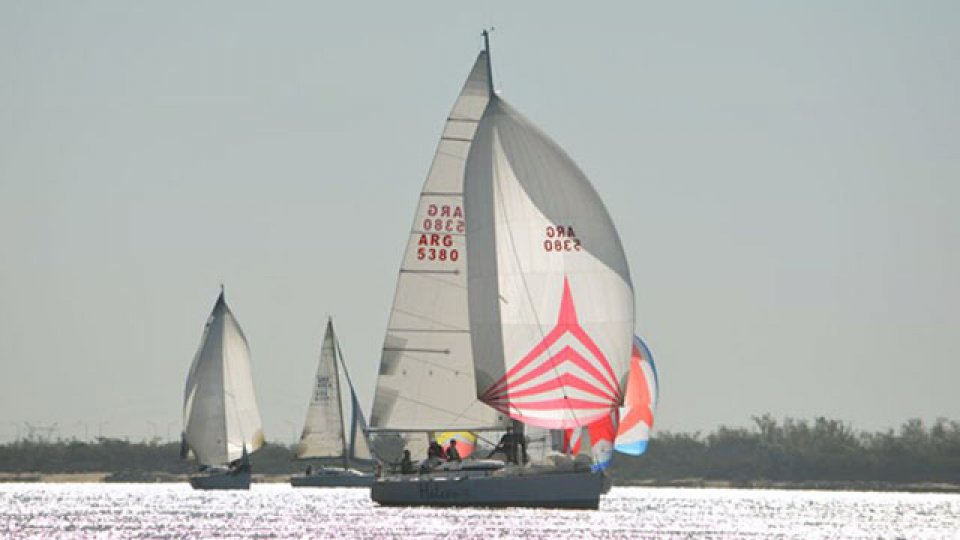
(822, 450)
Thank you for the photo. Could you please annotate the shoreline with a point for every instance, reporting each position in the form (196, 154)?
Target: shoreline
(693, 483)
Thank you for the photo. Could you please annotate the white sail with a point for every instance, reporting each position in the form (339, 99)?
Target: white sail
(220, 411)
(322, 434)
(325, 428)
(550, 296)
(426, 368)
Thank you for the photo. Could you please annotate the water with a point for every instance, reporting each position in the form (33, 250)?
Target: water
(278, 511)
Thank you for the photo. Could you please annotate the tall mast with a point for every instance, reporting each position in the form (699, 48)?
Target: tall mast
(486, 48)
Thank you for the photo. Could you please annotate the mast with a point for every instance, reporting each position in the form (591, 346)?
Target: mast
(336, 377)
(486, 48)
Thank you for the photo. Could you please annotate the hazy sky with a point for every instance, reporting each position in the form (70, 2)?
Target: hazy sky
(785, 178)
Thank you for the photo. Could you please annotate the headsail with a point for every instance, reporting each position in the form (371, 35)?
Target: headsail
(550, 296)
(359, 446)
(426, 369)
(221, 418)
(636, 418)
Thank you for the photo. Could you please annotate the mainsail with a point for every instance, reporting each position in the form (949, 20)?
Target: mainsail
(324, 433)
(550, 297)
(426, 378)
(221, 418)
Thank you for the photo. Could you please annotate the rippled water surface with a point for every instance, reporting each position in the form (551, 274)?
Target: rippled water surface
(271, 510)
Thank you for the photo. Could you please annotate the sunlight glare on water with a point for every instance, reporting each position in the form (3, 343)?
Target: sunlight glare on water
(279, 511)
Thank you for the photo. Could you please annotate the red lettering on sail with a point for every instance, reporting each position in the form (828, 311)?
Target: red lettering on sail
(561, 238)
(442, 228)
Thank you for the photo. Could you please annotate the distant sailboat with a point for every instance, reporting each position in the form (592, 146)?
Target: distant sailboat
(519, 259)
(325, 433)
(221, 419)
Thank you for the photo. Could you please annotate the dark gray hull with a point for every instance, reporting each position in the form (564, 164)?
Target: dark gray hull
(342, 479)
(580, 489)
(221, 480)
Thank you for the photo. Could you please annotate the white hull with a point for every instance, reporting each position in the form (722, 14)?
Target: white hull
(221, 480)
(333, 478)
(486, 489)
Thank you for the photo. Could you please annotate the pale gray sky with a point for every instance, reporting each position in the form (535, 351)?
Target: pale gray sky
(785, 178)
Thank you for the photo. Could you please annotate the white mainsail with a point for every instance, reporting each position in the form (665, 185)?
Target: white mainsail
(550, 297)
(220, 412)
(324, 433)
(426, 378)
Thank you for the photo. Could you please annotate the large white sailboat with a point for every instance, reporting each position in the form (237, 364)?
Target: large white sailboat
(328, 433)
(514, 305)
(221, 420)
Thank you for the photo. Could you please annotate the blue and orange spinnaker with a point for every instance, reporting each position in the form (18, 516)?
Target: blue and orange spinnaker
(636, 417)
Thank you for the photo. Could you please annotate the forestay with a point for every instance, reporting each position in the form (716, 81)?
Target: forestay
(426, 368)
(550, 296)
(220, 410)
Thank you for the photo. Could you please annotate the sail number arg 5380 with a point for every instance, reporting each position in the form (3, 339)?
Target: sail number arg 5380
(443, 220)
(561, 238)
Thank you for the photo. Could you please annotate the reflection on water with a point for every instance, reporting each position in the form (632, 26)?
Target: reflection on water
(271, 510)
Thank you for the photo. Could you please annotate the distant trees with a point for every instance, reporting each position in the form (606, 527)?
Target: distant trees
(788, 451)
(797, 450)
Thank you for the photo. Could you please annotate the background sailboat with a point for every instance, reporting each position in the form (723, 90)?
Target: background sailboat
(221, 420)
(325, 430)
(549, 305)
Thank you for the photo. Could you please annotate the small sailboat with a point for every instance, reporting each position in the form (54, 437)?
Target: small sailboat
(221, 420)
(325, 433)
(514, 307)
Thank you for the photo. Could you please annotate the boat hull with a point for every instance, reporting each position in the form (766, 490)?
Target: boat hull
(221, 480)
(332, 480)
(537, 490)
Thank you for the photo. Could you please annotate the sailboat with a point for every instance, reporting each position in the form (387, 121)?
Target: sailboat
(514, 307)
(325, 432)
(221, 420)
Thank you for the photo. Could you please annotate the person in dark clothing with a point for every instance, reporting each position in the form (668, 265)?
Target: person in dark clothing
(406, 465)
(452, 453)
(513, 445)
